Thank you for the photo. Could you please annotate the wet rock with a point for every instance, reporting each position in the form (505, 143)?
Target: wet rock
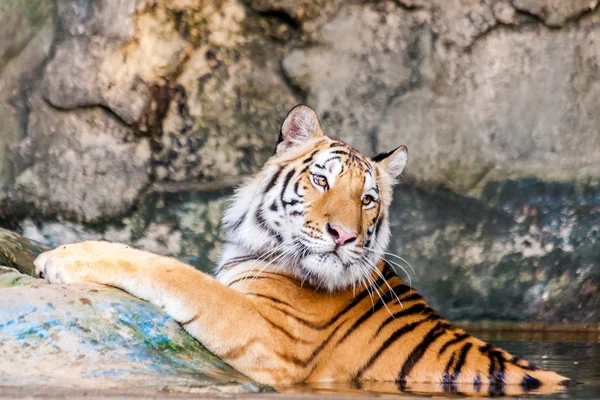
(526, 251)
(18, 251)
(555, 12)
(102, 338)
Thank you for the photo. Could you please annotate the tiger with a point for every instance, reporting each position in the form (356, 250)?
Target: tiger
(302, 293)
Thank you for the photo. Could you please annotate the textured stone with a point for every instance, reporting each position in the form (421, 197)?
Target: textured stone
(526, 251)
(18, 251)
(368, 55)
(101, 338)
(69, 154)
(107, 57)
(226, 119)
(555, 12)
(182, 223)
(493, 112)
(27, 30)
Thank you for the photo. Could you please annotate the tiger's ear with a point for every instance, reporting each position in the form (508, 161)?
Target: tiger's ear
(300, 125)
(393, 161)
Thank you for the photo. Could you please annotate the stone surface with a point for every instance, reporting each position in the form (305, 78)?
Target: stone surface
(18, 252)
(494, 112)
(26, 32)
(101, 337)
(526, 251)
(555, 12)
(69, 155)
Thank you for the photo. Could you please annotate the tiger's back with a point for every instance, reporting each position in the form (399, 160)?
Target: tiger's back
(382, 332)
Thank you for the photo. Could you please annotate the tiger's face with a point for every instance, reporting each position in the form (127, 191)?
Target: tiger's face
(318, 208)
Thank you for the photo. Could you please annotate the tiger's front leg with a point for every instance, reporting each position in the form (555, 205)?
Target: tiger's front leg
(224, 320)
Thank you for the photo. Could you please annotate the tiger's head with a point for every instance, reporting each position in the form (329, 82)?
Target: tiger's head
(318, 208)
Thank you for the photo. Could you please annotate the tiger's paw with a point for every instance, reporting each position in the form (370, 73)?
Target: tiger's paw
(90, 261)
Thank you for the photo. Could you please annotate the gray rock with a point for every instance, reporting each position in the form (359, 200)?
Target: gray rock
(69, 154)
(180, 222)
(27, 30)
(101, 338)
(526, 251)
(99, 60)
(555, 12)
(493, 112)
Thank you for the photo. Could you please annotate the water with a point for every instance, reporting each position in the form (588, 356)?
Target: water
(572, 354)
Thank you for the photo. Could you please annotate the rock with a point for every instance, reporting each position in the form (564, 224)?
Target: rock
(102, 338)
(179, 222)
(18, 252)
(369, 54)
(555, 12)
(526, 251)
(69, 154)
(225, 117)
(27, 29)
(467, 117)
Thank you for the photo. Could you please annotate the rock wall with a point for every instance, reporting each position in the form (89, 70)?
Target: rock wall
(133, 120)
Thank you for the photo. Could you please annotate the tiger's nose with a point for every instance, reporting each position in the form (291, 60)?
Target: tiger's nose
(340, 236)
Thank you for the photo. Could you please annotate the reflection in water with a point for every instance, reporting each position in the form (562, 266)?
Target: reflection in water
(572, 354)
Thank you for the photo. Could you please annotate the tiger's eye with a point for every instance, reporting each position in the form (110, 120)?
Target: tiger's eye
(320, 180)
(367, 199)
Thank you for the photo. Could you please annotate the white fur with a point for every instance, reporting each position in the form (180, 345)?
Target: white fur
(325, 265)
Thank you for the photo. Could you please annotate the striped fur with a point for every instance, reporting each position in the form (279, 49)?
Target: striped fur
(290, 306)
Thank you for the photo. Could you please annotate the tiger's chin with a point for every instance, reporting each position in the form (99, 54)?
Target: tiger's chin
(327, 271)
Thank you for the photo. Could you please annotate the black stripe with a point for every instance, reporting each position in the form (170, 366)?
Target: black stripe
(286, 182)
(239, 222)
(477, 383)
(387, 269)
(447, 382)
(526, 366)
(413, 297)
(461, 360)
(315, 352)
(249, 278)
(273, 180)
(340, 152)
(273, 299)
(389, 296)
(283, 330)
(388, 342)
(417, 353)
(530, 383)
(496, 370)
(320, 326)
(416, 309)
(310, 158)
(262, 224)
(296, 186)
(452, 342)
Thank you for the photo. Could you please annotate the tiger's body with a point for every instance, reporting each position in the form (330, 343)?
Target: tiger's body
(302, 293)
